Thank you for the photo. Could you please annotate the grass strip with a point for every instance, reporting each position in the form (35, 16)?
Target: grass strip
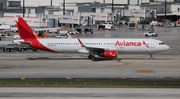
(92, 83)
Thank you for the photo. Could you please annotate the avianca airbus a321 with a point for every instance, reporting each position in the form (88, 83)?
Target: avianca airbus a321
(102, 47)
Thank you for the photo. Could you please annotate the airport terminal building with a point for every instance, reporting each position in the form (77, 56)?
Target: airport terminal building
(90, 12)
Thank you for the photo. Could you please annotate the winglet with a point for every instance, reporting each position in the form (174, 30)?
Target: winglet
(81, 43)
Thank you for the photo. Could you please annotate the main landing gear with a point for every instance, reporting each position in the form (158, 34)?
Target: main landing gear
(92, 57)
(151, 57)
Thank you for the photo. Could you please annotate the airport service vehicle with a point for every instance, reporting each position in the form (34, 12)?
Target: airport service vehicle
(124, 23)
(150, 34)
(173, 24)
(132, 25)
(109, 26)
(6, 34)
(73, 32)
(63, 34)
(160, 24)
(101, 47)
(154, 23)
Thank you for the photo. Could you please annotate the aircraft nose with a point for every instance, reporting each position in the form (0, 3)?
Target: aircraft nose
(167, 47)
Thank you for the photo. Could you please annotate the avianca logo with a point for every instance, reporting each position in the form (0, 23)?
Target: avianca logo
(112, 54)
(125, 43)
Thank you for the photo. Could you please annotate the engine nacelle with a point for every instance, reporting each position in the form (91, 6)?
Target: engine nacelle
(110, 54)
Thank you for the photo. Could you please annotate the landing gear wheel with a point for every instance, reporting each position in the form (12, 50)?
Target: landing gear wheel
(4, 50)
(20, 49)
(9, 50)
(92, 57)
(151, 57)
(34, 50)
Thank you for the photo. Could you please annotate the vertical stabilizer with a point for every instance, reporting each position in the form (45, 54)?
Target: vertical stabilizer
(24, 30)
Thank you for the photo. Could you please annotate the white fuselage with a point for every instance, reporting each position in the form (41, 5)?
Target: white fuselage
(124, 45)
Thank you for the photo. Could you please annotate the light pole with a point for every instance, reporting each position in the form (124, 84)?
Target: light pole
(63, 7)
(112, 9)
(23, 8)
(165, 9)
(51, 2)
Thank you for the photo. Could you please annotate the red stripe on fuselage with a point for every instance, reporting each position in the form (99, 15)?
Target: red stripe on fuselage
(26, 33)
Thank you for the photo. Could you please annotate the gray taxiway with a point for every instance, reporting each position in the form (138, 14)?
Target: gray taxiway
(48, 65)
(88, 93)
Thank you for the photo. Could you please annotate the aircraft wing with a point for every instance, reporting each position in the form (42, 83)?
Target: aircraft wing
(42, 29)
(98, 49)
(94, 49)
(91, 49)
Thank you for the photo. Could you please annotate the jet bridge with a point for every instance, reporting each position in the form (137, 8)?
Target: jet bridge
(69, 20)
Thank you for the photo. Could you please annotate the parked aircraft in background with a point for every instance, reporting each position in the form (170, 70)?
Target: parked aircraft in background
(103, 47)
(9, 46)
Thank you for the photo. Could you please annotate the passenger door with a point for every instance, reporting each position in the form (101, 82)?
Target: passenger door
(152, 44)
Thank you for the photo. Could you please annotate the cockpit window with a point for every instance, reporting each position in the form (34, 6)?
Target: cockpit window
(161, 43)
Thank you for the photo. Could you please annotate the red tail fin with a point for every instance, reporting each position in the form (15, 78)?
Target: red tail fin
(25, 32)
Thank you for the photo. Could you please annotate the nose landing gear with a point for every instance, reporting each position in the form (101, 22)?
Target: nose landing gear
(151, 57)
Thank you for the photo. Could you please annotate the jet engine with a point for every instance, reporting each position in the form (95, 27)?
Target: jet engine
(109, 54)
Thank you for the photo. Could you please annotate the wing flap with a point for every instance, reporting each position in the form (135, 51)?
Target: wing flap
(98, 49)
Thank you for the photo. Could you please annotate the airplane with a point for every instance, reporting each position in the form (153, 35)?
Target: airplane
(102, 47)
(9, 46)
